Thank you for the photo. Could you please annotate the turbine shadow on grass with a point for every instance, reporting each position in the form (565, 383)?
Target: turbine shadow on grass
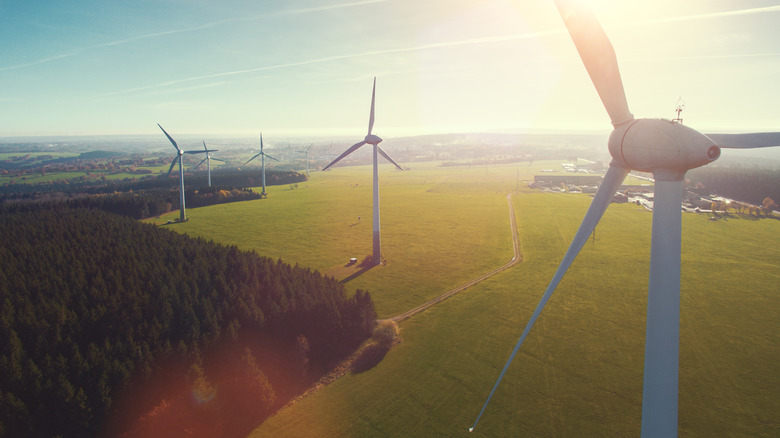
(356, 274)
(366, 264)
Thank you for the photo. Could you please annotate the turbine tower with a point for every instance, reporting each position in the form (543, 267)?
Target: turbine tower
(306, 151)
(667, 149)
(262, 156)
(182, 213)
(207, 160)
(372, 140)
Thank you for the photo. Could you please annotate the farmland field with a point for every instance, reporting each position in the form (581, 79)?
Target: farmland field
(580, 371)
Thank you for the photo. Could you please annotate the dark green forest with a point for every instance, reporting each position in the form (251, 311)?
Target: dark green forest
(93, 305)
(743, 184)
(139, 204)
(223, 177)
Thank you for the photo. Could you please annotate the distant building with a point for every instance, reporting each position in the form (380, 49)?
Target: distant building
(576, 179)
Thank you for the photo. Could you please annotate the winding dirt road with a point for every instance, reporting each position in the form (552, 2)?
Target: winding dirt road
(516, 258)
(345, 366)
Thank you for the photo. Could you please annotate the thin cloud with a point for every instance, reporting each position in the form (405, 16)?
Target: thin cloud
(286, 12)
(705, 57)
(752, 11)
(483, 40)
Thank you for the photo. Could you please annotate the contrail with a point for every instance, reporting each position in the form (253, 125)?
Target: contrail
(709, 15)
(483, 40)
(287, 12)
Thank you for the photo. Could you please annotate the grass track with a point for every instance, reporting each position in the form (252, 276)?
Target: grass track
(580, 371)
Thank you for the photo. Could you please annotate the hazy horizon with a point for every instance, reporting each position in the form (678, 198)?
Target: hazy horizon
(305, 68)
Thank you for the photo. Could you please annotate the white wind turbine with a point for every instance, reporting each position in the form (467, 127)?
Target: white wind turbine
(207, 160)
(262, 156)
(668, 149)
(182, 214)
(372, 140)
(306, 151)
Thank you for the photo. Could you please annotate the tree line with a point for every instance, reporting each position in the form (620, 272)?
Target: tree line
(90, 300)
(142, 204)
(751, 185)
(232, 177)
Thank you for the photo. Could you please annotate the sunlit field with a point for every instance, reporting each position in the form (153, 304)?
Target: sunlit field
(580, 371)
(444, 225)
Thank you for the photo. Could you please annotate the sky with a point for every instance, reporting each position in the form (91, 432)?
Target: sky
(305, 67)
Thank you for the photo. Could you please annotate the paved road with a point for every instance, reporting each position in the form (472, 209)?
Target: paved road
(515, 260)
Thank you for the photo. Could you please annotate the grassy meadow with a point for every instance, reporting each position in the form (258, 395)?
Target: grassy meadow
(579, 373)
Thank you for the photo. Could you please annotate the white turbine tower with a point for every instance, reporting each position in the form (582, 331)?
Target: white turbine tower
(182, 214)
(207, 160)
(306, 151)
(262, 156)
(668, 150)
(372, 140)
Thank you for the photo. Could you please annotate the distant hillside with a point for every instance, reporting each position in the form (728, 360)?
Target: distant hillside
(222, 177)
(93, 155)
(94, 305)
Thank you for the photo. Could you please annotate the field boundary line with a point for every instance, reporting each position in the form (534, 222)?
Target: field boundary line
(516, 258)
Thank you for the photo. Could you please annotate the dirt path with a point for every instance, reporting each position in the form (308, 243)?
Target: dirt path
(345, 366)
(517, 258)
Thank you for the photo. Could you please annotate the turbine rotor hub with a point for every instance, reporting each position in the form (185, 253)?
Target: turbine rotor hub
(372, 139)
(659, 145)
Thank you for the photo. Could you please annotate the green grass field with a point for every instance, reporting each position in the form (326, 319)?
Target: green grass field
(580, 371)
(54, 155)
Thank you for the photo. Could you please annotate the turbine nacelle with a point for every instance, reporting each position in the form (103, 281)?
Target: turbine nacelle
(372, 139)
(660, 146)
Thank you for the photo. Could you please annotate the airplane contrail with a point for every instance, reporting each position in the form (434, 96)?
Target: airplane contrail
(708, 15)
(300, 11)
(287, 12)
(482, 40)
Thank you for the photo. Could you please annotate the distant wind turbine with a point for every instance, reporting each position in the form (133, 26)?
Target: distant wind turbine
(668, 149)
(306, 151)
(182, 214)
(208, 159)
(372, 140)
(262, 156)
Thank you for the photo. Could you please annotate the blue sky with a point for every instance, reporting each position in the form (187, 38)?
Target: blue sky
(304, 67)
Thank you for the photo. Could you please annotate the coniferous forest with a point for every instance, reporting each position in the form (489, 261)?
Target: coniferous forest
(743, 184)
(94, 305)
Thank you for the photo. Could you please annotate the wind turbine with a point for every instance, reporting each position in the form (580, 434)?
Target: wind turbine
(262, 156)
(372, 140)
(207, 160)
(182, 214)
(668, 149)
(307, 157)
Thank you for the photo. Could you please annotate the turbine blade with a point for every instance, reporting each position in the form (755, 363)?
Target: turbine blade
(598, 55)
(169, 138)
(662, 336)
(261, 142)
(309, 148)
(202, 161)
(173, 163)
(746, 141)
(204, 146)
(217, 159)
(268, 156)
(347, 152)
(247, 161)
(612, 180)
(384, 154)
(371, 118)
(196, 152)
